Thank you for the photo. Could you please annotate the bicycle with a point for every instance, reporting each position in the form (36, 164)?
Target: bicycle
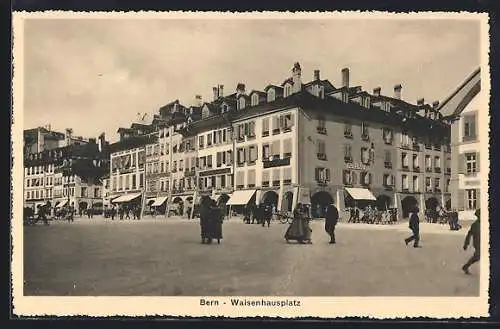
(283, 217)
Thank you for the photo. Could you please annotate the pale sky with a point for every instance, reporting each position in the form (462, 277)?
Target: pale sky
(96, 75)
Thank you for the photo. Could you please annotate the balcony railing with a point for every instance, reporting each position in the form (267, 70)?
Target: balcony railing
(365, 137)
(405, 168)
(348, 134)
(448, 170)
(469, 138)
(437, 169)
(416, 169)
(388, 165)
(416, 147)
(428, 169)
(347, 159)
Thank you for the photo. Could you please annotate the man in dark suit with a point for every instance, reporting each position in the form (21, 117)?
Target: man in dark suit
(414, 225)
(331, 219)
(475, 234)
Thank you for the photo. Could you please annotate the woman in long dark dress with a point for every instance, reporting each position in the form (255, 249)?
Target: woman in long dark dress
(216, 217)
(205, 222)
(299, 228)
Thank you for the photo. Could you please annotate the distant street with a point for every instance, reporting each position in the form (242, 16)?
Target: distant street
(165, 257)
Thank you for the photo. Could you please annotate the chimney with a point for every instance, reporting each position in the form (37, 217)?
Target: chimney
(197, 100)
(216, 93)
(420, 101)
(316, 75)
(101, 141)
(435, 104)
(345, 77)
(240, 89)
(397, 91)
(376, 91)
(296, 74)
(221, 90)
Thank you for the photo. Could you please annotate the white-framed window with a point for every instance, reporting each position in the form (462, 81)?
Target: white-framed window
(271, 95)
(255, 99)
(470, 163)
(404, 182)
(437, 184)
(241, 103)
(428, 184)
(415, 184)
(471, 199)
(288, 90)
(437, 162)
(404, 159)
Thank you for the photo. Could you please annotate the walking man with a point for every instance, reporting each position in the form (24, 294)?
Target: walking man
(414, 225)
(331, 219)
(475, 234)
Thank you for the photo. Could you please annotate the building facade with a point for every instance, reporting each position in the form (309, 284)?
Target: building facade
(68, 175)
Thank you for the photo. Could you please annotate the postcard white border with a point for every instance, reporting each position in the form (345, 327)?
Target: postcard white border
(322, 307)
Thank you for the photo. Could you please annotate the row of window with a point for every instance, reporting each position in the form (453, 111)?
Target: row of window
(429, 163)
(36, 170)
(38, 194)
(127, 182)
(216, 137)
(48, 181)
(271, 177)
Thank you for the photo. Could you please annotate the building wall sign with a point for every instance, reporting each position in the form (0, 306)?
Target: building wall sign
(276, 163)
(215, 172)
(356, 166)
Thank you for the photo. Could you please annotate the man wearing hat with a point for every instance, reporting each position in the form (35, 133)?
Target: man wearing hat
(331, 219)
(475, 234)
(414, 225)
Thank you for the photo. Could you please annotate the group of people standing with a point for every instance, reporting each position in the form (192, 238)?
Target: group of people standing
(211, 218)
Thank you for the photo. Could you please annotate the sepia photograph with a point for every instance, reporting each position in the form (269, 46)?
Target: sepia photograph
(271, 164)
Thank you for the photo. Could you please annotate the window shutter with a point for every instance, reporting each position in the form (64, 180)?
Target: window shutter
(478, 198)
(316, 174)
(219, 159)
(327, 174)
(244, 155)
(461, 199)
(462, 163)
(354, 178)
(281, 121)
(265, 124)
(478, 169)
(246, 129)
(292, 121)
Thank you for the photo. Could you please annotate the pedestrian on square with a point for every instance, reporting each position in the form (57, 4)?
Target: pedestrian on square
(414, 225)
(474, 233)
(267, 214)
(113, 212)
(299, 229)
(331, 219)
(216, 219)
(205, 221)
(121, 212)
(127, 213)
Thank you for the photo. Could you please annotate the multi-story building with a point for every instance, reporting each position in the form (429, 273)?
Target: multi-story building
(462, 110)
(127, 164)
(71, 174)
(288, 143)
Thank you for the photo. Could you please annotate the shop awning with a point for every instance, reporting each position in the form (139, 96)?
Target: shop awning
(62, 203)
(126, 197)
(360, 193)
(159, 201)
(240, 197)
(150, 201)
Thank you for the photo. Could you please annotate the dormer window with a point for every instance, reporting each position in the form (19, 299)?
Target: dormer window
(288, 90)
(255, 99)
(224, 108)
(241, 103)
(271, 95)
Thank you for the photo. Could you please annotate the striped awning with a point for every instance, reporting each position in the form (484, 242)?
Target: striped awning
(159, 201)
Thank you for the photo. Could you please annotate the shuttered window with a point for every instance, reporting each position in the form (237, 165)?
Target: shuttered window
(240, 179)
(265, 127)
(276, 177)
(287, 176)
(251, 178)
(287, 148)
(275, 149)
(265, 178)
(252, 154)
